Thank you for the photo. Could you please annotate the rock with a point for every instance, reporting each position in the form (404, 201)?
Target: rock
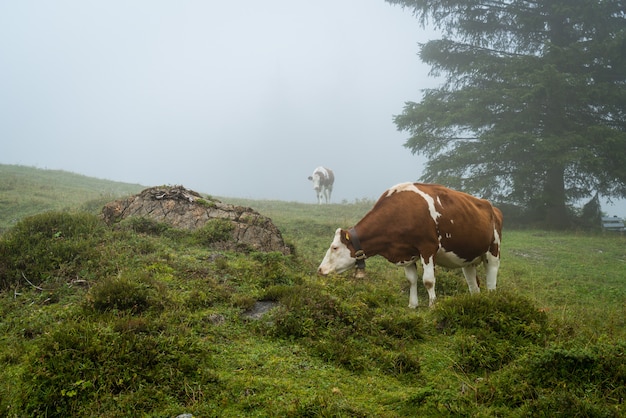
(259, 309)
(186, 209)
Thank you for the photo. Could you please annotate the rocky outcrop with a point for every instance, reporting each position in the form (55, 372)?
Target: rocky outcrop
(185, 209)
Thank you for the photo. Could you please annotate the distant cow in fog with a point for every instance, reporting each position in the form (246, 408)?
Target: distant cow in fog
(323, 179)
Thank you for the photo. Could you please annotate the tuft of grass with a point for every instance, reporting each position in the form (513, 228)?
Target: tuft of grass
(49, 245)
(123, 294)
(85, 368)
(589, 381)
(490, 329)
(350, 334)
(215, 230)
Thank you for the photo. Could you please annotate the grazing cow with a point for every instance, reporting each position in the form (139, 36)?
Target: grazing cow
(429, 223)
(323, 179)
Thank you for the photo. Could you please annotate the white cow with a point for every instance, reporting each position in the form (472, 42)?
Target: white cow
(323, 179)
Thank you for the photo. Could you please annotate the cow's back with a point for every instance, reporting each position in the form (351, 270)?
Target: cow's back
(467, 224)
(417, 216)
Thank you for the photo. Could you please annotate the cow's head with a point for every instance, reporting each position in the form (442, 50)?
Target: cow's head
(316, 178)
(339, 257)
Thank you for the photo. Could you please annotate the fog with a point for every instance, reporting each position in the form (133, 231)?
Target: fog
(233, 99)
(238, 99)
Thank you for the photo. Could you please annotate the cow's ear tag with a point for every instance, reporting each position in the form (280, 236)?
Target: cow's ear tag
(347, 237)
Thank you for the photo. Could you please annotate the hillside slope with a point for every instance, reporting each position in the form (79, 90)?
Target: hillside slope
(143, 319)
(26, 191)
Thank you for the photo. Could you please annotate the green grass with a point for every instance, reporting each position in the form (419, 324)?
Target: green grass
(26, 191)
(143, 320)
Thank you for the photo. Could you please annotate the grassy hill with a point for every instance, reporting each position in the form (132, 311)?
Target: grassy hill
(26, 191)
(143, 320)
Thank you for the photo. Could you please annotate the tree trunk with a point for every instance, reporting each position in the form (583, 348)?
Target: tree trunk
(554, 192)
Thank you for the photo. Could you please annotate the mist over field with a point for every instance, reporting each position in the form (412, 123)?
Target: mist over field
(238, 99)
(233, 99)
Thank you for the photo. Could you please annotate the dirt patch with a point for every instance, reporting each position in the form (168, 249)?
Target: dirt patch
(259, 309)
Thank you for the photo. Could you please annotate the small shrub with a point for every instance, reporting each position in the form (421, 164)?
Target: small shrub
(121, 294)
(132, 324)
(399, 363)
(483, 351)
(215, 230)
(563, 403)
(589, 381)
(244, 302)
(77, 362)
(491, 329)
(274, 269)
(602, 367)
(307, 312)
(325, 406)
(332, 331)
(143, 225)
(198, 299)
(48, 245)
(206, 202)
(510, 316)
(345, 333)
(403, 325)
(277, 292)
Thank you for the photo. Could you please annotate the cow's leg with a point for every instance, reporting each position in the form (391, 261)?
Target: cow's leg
(492, 264)
(470, 277)
(429, 278)
(411, 274)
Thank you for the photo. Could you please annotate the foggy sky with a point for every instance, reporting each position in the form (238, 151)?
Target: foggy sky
(237, 99)
(233, 99)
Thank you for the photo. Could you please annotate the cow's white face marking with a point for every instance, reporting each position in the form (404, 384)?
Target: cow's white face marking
(337, 258)
(316, 178)
(410, 187)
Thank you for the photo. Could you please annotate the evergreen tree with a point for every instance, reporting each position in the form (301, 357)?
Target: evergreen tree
(533, 108)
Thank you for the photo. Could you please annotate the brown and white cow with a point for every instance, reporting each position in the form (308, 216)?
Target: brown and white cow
(323, 179)
(429, 223)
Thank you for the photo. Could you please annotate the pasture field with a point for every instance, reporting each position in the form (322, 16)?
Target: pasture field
(26, 191)
(568, 274)
(143, 320)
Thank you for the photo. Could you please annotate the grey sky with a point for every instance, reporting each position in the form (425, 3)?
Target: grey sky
(239, 98)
